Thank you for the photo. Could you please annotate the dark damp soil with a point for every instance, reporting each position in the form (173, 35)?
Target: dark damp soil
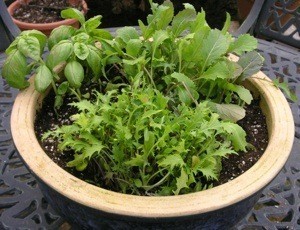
(42, 11)
(254, 124)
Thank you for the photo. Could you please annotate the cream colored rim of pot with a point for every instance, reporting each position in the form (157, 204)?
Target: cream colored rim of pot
(280, 121)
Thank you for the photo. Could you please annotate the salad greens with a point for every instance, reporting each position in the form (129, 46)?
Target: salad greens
(168, 96)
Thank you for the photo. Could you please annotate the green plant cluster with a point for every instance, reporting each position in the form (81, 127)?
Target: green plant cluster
(141, 146)
(167, 98)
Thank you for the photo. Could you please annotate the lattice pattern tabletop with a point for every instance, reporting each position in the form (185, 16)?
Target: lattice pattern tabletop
(22, 205)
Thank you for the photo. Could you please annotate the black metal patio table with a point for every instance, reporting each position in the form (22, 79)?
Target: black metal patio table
(22, 205)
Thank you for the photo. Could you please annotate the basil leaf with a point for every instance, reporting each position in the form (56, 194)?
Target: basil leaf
(94, 62)
(74, 14)
(59, 53)
(15, 69)
(81, 37)
(37, 34)
(93, 23)
(74, 73)
(60, 33)
(13, 46)
(63, 88)
(30, 47)
(43, 78)
(81, 50)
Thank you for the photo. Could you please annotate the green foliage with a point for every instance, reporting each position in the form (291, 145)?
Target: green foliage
(168, 97)
(142, 146)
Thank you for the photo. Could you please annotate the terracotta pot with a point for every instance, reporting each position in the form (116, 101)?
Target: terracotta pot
(96, 208)
(46, 28)
(244, 7)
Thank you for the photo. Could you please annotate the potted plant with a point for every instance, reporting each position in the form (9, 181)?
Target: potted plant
(156, 125)
(43, 14)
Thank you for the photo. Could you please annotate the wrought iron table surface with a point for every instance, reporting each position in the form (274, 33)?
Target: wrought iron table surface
(22, 205)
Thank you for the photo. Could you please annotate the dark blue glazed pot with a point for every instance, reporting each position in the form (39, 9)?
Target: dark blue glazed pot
(87, 206)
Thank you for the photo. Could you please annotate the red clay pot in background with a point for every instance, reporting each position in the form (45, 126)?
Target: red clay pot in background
(46, 28)
(244, 7)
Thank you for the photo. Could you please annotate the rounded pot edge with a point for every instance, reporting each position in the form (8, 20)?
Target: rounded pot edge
(281, 134)
(46, 28)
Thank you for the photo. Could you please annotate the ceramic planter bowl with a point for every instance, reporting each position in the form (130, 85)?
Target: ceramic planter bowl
(46, 28)
(96, 208)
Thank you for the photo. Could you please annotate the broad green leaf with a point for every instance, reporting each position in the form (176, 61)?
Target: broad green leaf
(159, 20)
(81, 37)
(242, 92)
(230, 112)
(226, 24)
(285, 88)
(101, 34)
(126, 33)
(43, 78)
(93, 23)
(165, 15)
(189, 6)
(187, 96)
(181, 182)
(182, 21)
(181, 78)
(146, 31)
(59, 53)
(13, 46)
(172, 161)
(60, 33)
(30, 47)
(192, 52)
(237, 137)
(38, 35)
(73, 13)
(15, 69)
(214, 46)
(81, 50)
(74, 73)
(94, 62)
(244, 43)
(251, 63)
(63, 88)
(200, 23)
(219, 70)
(133, 47)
